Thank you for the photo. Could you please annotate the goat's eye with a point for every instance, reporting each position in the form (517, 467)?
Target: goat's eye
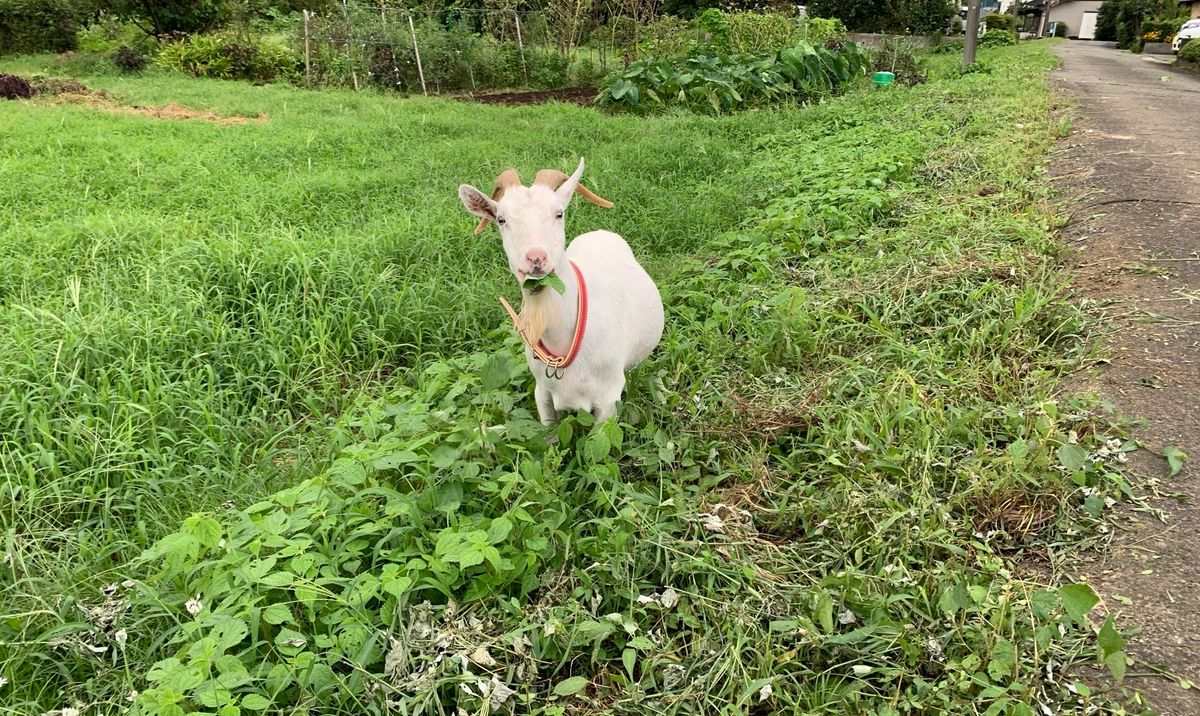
(500, 220)
(558, 215)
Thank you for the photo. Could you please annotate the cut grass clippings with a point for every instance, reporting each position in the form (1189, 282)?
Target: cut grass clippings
(815, 500)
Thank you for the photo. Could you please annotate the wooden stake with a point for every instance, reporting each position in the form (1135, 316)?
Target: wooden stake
(521, 46)
(417, 51)
(307, 54)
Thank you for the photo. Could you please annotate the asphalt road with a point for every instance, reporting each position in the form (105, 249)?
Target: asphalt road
(1130, 176)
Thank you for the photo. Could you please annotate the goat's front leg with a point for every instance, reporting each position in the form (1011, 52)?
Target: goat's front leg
(604, 411)
(545, 405)
(607, 406)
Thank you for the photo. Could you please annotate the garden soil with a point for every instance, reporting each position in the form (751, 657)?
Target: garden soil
(1130, 174)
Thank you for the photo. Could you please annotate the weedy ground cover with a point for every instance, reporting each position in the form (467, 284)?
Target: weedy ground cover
(815, 501)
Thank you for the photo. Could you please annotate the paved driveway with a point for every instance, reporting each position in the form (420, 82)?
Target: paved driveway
(1132, 172)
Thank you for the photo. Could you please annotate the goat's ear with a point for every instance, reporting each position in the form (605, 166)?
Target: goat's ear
(477, 202)
(567, 188)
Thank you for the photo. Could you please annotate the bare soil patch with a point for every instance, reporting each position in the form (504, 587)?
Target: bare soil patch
(584, 96)
(58, 91)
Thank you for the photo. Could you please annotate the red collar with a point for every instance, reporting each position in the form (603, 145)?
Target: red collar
(540, 350)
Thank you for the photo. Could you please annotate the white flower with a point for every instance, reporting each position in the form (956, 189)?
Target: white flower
(765, 692)
(121, 636)
(131, 696)
(194, 606)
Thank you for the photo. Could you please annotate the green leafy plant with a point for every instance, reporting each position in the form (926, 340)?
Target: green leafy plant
(1190, 52)
(998, 38)
(227, 56)
(721, 84)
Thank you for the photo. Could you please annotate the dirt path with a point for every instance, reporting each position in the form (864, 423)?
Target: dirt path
(1132, 170)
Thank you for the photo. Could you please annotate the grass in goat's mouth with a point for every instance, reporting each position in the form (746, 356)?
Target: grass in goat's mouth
(535, 285)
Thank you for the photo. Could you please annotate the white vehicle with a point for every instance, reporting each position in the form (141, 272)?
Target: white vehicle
(1189, 31)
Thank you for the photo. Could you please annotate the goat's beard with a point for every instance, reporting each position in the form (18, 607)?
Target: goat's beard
(535, 314)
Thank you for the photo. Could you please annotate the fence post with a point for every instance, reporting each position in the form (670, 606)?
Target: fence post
(521, 46)
(417, 51)
(307, 61)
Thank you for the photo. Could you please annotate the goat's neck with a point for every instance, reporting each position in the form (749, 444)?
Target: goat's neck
(559, 311)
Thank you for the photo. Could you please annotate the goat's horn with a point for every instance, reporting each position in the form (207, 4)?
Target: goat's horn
(507, 180)
(553, 179)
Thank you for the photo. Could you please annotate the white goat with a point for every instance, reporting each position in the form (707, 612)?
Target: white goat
(579, 343)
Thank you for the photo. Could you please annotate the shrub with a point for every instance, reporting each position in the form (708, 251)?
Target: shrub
(1000, 22)
(715, 26)
(1060, 30)
(1106, 21)
(128, 59)
(947, 48)
(13, 87)
(716, 84)
(583, 71)
(998, 38)
(1161, 30)
(762, 32)
(819, 30)
(37, 26)
(1190, 52)
(107, 33)
(228, 57)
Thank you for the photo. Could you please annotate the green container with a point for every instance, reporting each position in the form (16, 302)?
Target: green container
(883, 79)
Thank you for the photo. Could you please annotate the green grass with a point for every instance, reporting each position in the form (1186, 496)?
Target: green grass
(864, 344)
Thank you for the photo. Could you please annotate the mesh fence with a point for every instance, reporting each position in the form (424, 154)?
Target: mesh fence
(466, 50)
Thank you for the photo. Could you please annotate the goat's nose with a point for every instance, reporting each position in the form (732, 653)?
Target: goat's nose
(537, 257)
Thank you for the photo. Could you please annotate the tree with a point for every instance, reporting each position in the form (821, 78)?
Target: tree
(1121, 20)
(856, 15)
(920, 17)
(1106, 21)
(163, 18)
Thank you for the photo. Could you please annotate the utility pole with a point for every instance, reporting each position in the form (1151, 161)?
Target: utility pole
(971, 41)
